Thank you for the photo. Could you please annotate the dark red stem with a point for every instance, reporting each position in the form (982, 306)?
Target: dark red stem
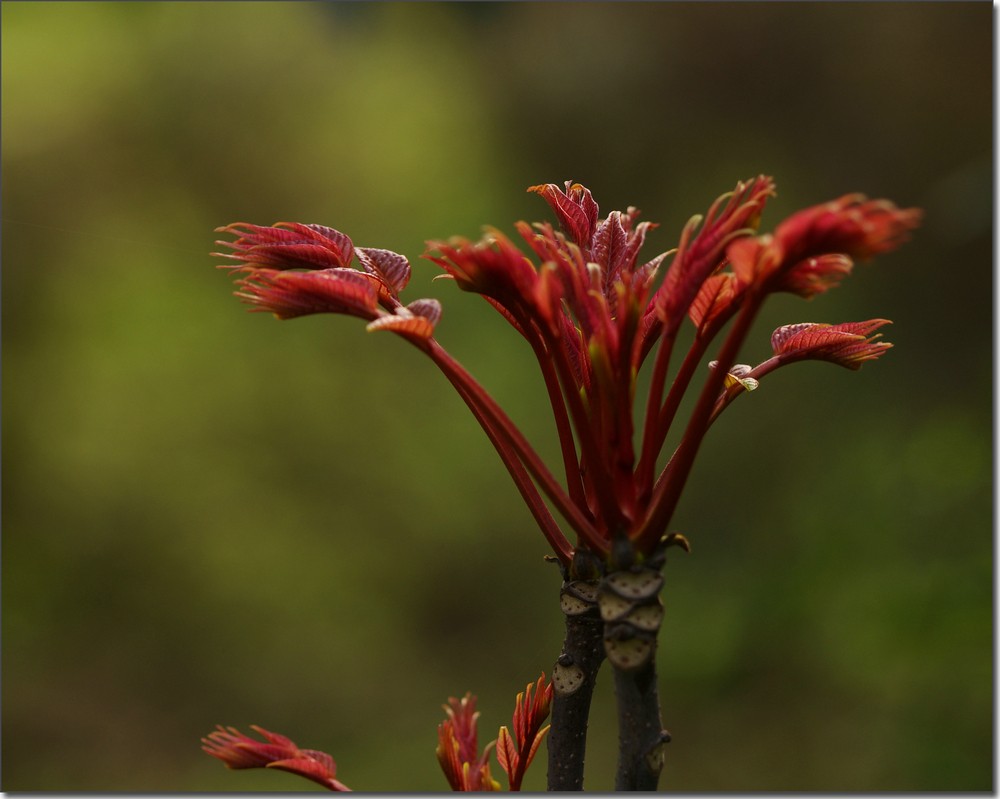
(671, 482)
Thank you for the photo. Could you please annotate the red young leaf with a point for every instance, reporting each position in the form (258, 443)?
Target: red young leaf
(238, 751)
(293, 255)
(447, 755)
(785, 333)
(334, 239)
(715, 297)
(852, 225)
(391, 267)
(815, 275)
(416, 321)
(507, 753)
(406, 324)
(430, 309)
(287, 245)
(609, 246)
(636, 238)
(291, 294)
(493, 267)
(258, 234)
(575, 208)
(534, 747)
(848, 344)
(463, 716)
(702, 249)
(311, 769)
(754, 259)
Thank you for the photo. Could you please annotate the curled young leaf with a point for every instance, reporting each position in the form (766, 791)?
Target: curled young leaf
(390, 267)
(286, 245)
(703, 244)
(852, 225)
(516, 751)
(815, 275)
(848, 344)
(416, 321)
(492, 267)
(717, 297)
(575, 207)
(738, 375)
(506, 752)
(238, 751)
(291, 294)
(754, 259)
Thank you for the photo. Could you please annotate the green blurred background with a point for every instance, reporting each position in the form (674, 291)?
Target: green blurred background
(213, 517)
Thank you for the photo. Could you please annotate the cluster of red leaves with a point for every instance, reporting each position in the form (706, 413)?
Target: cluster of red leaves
(586, 301)
(270, 259)
(465, 768)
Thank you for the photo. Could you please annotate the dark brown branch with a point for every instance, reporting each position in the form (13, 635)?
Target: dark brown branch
(574, 676)
(641, 737)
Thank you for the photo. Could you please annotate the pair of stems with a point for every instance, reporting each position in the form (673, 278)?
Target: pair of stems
(641, 737)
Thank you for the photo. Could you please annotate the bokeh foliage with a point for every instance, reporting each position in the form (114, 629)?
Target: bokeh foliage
(213, 517)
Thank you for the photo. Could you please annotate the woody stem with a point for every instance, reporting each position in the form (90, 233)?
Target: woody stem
(640, 729)
(583, 650)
